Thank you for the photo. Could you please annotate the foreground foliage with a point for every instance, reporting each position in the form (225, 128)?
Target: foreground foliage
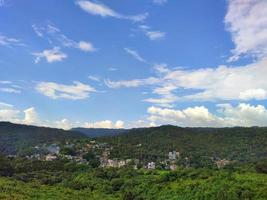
(27, 179)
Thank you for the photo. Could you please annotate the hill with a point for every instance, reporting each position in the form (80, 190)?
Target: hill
(100, 132)
(241, 144)
(16, 138)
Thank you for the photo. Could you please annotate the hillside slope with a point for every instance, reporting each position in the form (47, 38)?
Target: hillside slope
(242, 144)
(100, 132)
(18, 137)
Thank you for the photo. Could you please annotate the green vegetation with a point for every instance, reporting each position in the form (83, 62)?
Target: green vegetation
(29, 179)
(74, 171)
(20, 139)
(198, 144)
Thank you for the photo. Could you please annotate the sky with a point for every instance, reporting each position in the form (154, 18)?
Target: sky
(133, 63)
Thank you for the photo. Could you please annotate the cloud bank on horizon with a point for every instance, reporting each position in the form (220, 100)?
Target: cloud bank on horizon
(166, 68)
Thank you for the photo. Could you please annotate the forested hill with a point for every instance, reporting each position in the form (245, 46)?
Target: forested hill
(100, 132)
(243, 144)
(18, 137)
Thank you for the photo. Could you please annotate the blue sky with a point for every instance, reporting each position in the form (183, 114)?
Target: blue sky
(133, 63)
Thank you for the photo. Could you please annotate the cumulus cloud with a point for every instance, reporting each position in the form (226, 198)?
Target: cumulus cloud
(9, 113)
(199, 116)
(60, 91)
(51, 55)
(205, 84)
(31, 116)
(135, 54)
(104, 11)
(104, 124)
(246, 20)
(63, 124)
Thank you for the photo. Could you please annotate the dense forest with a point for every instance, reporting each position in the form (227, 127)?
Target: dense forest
(235, 144)
(19, 139)
(27, 179)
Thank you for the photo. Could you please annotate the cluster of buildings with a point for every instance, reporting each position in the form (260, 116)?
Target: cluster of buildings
(102, 152)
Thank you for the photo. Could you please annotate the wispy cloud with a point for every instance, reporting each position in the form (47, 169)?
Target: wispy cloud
(94, 78)
(135, 54)
(54, 90)
(131, 83)
(9, 41)
(54, 34)
(51, 55)
(160, 2)
(9, 87)
(152, 34)
(104, 11)
(2, 3)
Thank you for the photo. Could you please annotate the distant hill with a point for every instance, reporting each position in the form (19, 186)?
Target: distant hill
(17, 137)
(237, 143)
(100, 132)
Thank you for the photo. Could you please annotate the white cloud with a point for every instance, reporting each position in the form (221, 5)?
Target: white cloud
(104, 124)
(51, 55)
(253, 94)
(135, 55)
(246, 20)
(9, 114)
(9, 41)
(119, 124)
(63, 124)
(94, 78)
(104, 11)
(10, 90)
(160, 2)
(155, 35)
(5, 105)
(31, 116)
(56, 91)
(5, 82)
(131, 83)
(152, 34)
(199, 116)
(53, 34)
(205, 84)
(86, 46)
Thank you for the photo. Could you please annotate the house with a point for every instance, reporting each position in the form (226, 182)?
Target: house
(173, 155)
(53, 149)
(50, 157)
(151, 165)
(221, 163)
